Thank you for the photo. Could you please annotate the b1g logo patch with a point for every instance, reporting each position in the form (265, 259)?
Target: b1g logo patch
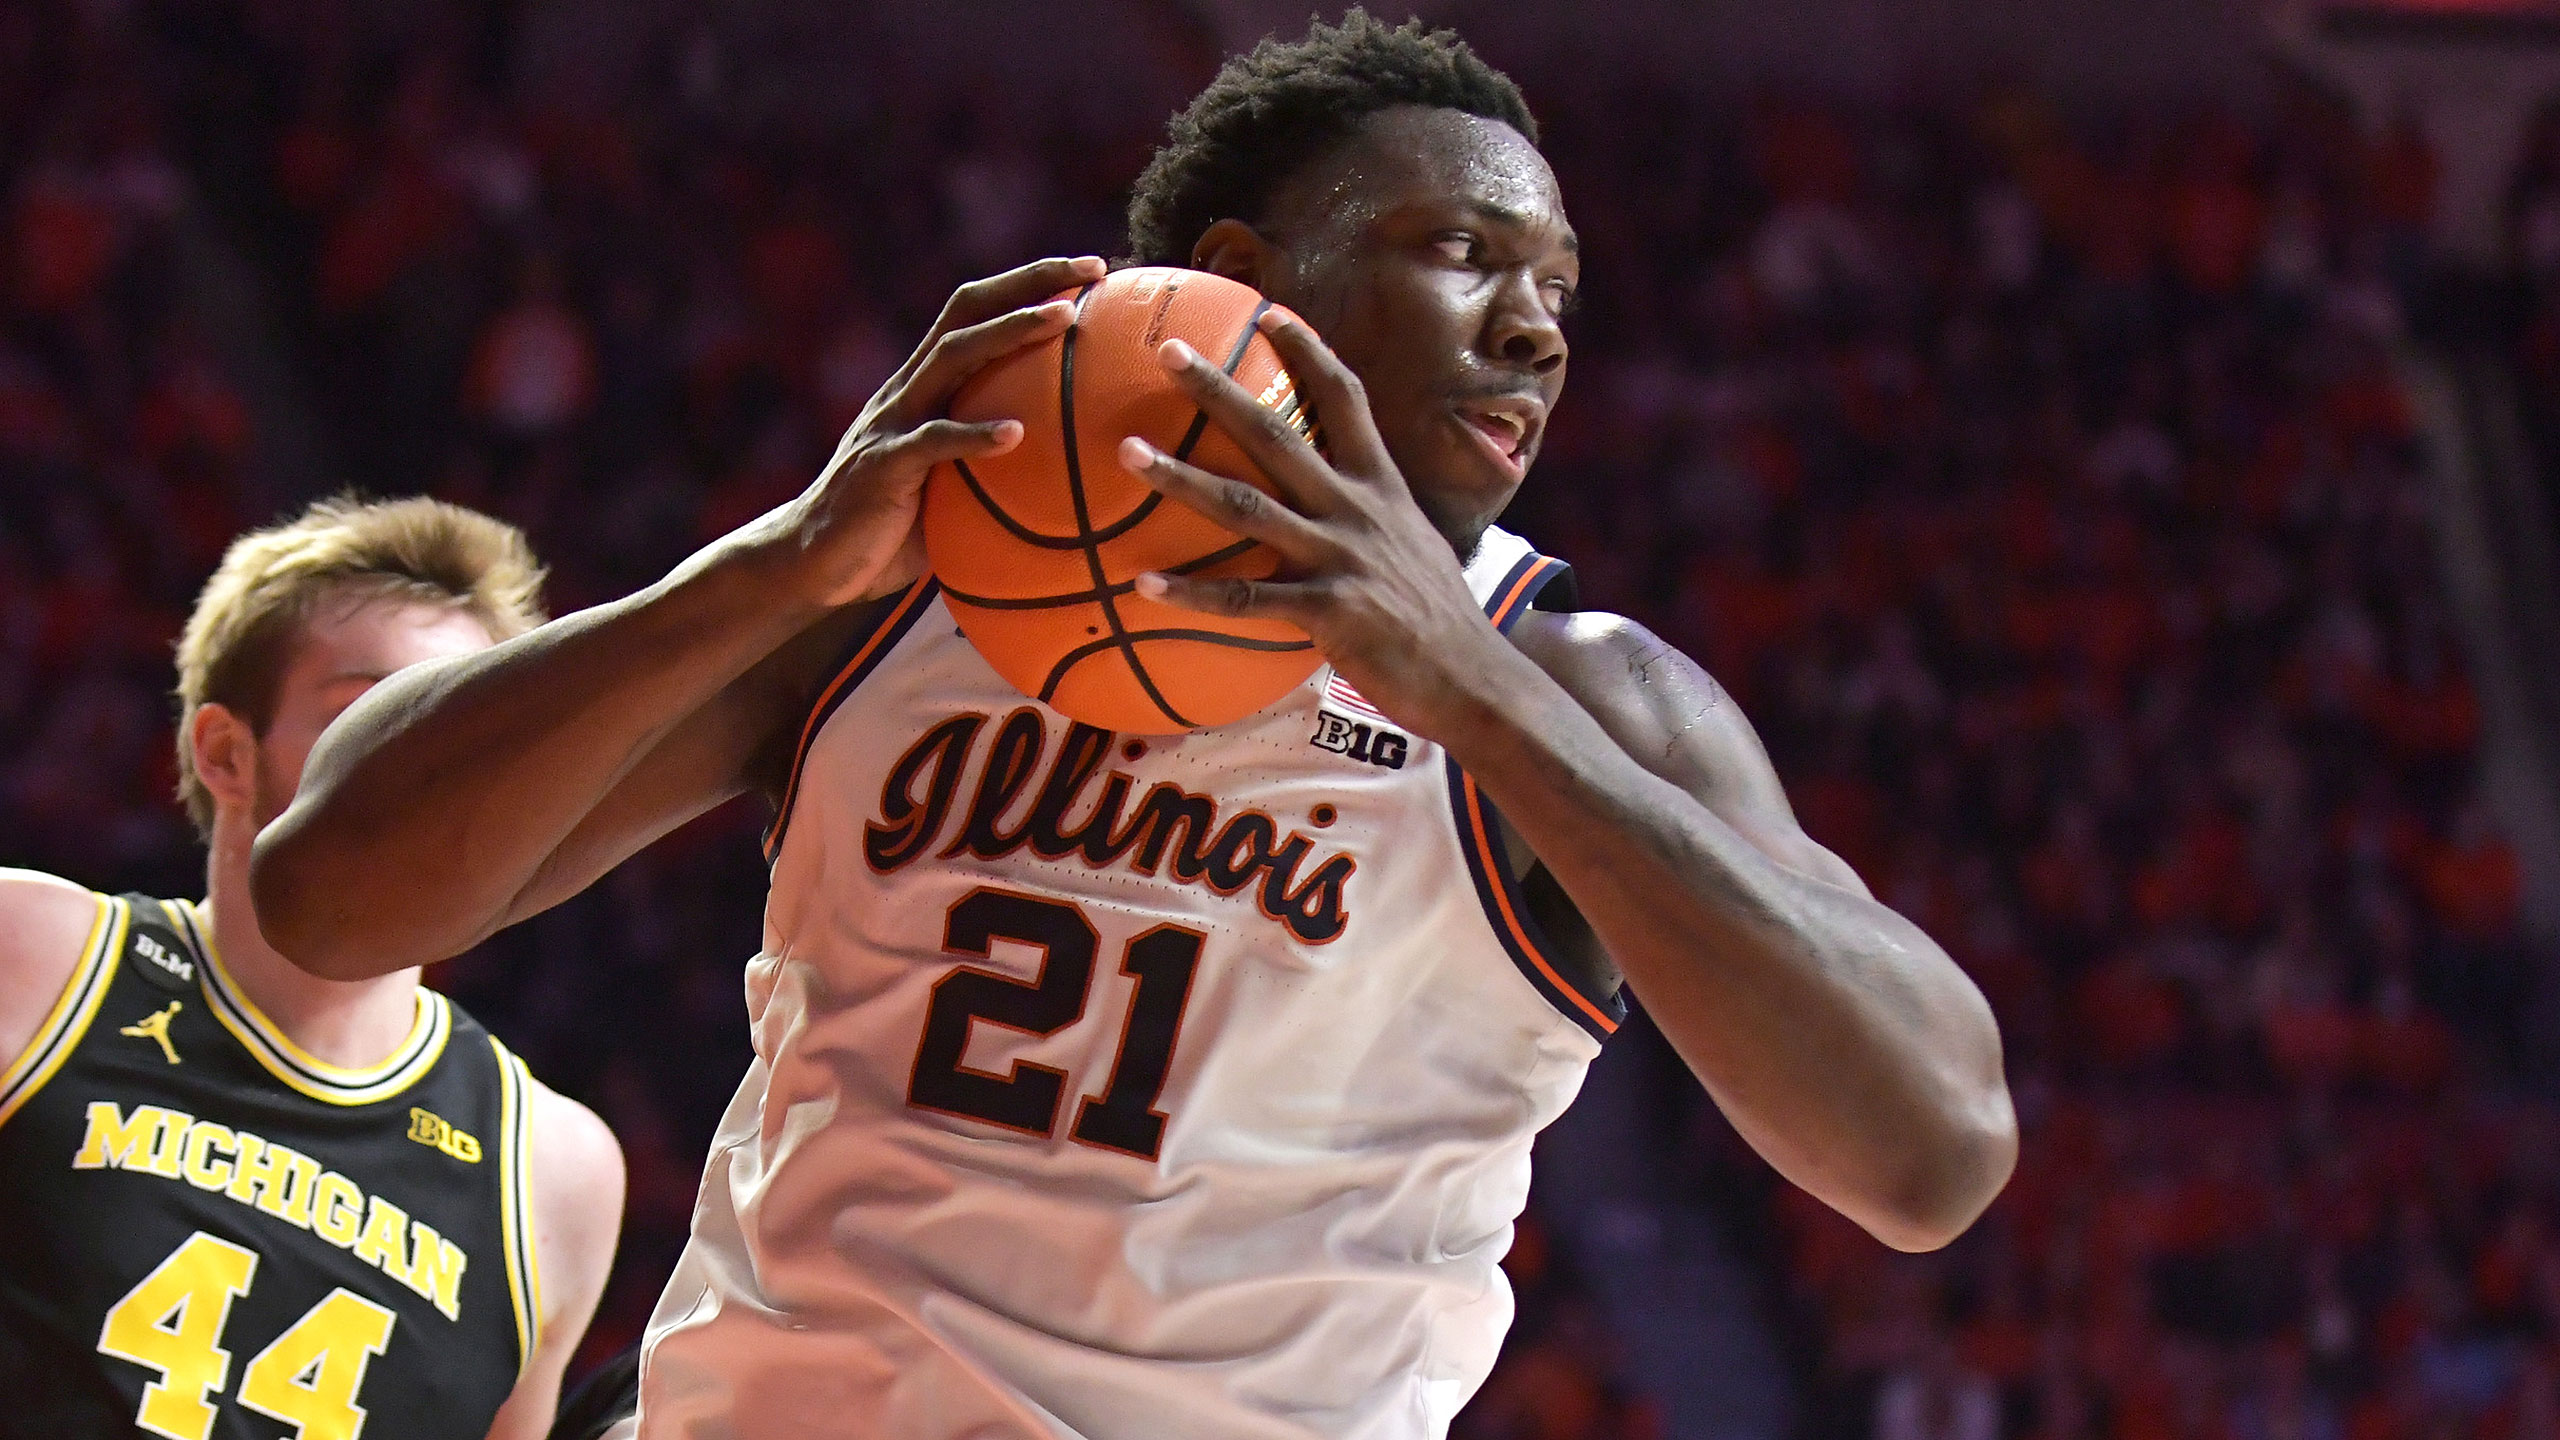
(1370, 744)
(1372, 739)
(434, 1131)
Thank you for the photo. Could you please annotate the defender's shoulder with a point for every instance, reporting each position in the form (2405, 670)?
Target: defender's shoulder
(46, 926)
(567, 1130)
(577, 1169)
(31, 897)
(46, 923)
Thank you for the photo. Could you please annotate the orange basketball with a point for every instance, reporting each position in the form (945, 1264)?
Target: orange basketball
(1036, 548)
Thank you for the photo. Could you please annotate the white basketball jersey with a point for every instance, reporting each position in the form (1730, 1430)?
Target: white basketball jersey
(1115, 1087)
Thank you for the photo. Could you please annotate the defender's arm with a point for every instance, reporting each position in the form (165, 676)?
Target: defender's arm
(577, 1219)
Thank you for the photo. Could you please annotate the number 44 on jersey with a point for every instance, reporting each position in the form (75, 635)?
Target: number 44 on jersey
(172, 1322)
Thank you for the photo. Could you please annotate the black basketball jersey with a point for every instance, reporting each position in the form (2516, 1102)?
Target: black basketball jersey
(205, 1232)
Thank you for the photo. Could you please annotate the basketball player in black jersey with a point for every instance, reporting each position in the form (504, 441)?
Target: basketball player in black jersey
(240, 1202)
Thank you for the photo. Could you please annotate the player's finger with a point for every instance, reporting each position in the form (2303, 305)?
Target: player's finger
(1020, 288)
(1242, 508)
(1269, 439)
(1232, 596)
(953, 358)
(1340, 400)
(1023, 285)
(937, 441)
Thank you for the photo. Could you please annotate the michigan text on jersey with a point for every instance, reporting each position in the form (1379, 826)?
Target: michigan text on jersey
(281, 1181)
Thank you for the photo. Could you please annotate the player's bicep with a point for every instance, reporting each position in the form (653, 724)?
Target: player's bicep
(1671, 717)
(1713, 752)
(578, 1178)
(577, 1175)
(700, 763)
(739, 740)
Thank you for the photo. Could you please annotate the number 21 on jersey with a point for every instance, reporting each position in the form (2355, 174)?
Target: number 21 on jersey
(172, 1322)
(1123, 1116)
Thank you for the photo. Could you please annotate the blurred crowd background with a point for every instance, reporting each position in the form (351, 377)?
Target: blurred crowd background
(2035, 472)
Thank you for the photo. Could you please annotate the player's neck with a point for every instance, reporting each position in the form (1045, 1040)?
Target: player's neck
(353, 1024)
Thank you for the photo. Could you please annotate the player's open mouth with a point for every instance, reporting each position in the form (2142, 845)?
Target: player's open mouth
(1503, 429)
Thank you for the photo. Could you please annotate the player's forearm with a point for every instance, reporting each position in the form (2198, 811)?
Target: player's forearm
(1841, 1041)
(437, 800)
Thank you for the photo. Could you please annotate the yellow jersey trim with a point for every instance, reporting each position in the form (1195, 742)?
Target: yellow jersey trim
(304, 1073)
(515, 1198)
(69, 1019)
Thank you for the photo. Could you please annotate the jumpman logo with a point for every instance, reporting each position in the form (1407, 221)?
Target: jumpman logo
(156, 1027)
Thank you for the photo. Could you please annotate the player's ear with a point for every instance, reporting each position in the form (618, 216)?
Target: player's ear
(1237, 251)
(226, 753)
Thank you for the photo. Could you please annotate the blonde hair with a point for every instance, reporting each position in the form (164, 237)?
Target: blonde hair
(241, 636)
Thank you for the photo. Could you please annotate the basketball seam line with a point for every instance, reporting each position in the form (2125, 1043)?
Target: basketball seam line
(1029, 536)
(1086, 597)
(1207, 637)
(1137, 516)
(1146, 507)
(1235, 358)
(1084, 529)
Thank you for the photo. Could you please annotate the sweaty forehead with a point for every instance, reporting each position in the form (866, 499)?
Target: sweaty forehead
(1414, 154)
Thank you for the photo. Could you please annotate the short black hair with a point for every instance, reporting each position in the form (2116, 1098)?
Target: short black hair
(1273, 110)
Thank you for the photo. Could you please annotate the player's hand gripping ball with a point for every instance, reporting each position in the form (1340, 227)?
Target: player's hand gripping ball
(1036, 547)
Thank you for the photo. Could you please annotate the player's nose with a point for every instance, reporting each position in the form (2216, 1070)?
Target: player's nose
(1522, 331)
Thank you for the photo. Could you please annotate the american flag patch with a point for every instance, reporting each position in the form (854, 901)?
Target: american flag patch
(1338, 691)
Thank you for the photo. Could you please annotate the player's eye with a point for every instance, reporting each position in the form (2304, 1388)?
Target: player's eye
(1458, 247)
(1562, 298)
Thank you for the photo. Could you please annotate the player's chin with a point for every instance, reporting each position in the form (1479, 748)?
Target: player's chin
(1459, 490)
(1464, 461)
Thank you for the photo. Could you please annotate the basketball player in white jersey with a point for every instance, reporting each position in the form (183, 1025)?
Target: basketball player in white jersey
(1184, 1086)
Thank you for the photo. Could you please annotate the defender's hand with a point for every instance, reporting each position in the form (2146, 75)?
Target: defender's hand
(1367, 576)
(853, 534)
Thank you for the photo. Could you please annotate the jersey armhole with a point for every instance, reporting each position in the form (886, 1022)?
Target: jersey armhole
(515, 1202)
(1479, 827)
(862, 655)
(72, 1011)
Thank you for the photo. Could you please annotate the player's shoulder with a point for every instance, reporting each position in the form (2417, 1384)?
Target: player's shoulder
(1604, 658)
(1578, 631)
(1660, 705)
(576, 1165)
(566, 1130)
(46, 923)
(32, 897)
